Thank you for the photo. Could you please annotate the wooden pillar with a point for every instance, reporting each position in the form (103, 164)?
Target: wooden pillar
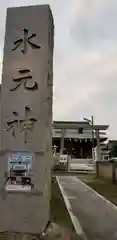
(62, 141)
(97, 169)
(113, 174)
(98, 146)
(81, 151)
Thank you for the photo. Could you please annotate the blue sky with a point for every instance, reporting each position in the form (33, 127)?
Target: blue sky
(85, 58)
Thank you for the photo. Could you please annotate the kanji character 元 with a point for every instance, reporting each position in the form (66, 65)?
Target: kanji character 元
(24, 79)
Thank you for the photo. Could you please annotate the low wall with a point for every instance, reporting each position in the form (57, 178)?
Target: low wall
(80, 161)
(107, 169)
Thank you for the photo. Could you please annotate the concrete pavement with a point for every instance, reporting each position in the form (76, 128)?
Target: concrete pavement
(97, 216)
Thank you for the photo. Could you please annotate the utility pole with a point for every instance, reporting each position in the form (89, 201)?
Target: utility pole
(91, 122)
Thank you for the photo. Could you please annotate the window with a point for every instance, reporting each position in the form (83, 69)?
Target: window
(80, 130)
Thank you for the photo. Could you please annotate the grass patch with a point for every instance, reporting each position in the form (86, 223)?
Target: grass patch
(105, 188)
(58, 211)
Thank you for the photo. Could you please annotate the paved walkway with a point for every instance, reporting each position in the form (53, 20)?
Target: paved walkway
(97, 217)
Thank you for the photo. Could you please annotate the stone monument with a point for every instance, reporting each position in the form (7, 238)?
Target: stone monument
(26, 120)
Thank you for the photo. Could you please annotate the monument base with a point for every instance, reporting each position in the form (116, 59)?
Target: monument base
(52, 232)
(24, 207)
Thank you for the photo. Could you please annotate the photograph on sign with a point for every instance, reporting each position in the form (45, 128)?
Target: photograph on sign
(19, 172)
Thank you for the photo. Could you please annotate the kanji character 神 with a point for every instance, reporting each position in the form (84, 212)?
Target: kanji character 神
(24, 125)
